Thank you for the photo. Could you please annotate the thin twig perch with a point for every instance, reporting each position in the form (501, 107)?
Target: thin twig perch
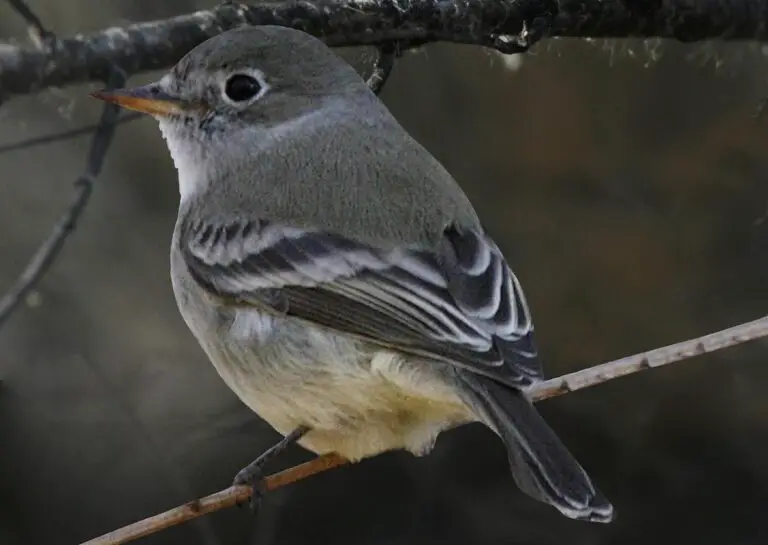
(228, 497)
(550, 388)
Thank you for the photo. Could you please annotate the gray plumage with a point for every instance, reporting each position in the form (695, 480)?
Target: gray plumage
(335, 273)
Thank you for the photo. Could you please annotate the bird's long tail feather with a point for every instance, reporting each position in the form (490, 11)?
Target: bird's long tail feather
(541, 465)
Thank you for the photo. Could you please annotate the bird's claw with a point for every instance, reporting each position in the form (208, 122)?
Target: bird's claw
(252, 475)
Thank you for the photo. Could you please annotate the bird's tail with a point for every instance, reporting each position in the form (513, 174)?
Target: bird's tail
(541, 465)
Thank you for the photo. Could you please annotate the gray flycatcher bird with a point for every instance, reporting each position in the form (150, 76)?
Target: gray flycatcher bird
(334, 272)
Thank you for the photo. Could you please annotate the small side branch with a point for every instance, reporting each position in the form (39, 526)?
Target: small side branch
(100, 142)
(550, 388)
(50, 248)
(382, 68)
(65, 135)
(37, 30)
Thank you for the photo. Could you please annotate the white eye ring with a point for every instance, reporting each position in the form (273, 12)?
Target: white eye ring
(243, 87)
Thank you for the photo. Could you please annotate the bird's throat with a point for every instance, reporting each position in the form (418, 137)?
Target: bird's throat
(189, 154)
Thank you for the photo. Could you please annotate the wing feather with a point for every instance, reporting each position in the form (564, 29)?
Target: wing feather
(460, 304)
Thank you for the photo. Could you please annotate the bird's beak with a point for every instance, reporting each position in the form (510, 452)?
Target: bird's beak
(148, 99)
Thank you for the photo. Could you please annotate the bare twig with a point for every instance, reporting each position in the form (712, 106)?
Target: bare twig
(648, 360)
(100, 142)
(382, 68)
(506, 25)
(544, 390)
(65, 135)
(228, 497)
(37, 30)
(102, 138)
(49, 250)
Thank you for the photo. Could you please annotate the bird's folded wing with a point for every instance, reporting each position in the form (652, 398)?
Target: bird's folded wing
(461, 304)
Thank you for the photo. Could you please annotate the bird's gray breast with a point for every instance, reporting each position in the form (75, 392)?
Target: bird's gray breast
(286, 371)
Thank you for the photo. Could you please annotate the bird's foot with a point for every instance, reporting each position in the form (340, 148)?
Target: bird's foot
(253, 473)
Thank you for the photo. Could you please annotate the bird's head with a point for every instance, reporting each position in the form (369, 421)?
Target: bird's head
(242, 88)
(255, 75)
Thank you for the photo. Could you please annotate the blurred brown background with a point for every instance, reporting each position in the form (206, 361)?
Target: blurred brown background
(626, 183)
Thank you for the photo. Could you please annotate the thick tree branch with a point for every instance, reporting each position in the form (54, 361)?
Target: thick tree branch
(507, 25)
(554, 387)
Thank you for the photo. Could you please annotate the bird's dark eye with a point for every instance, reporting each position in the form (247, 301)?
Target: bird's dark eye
(241, 87)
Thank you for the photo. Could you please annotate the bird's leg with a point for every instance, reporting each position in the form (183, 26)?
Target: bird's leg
(253, 473)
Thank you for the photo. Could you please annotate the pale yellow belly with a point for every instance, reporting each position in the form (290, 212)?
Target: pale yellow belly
(390, 418)
(355, 411)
